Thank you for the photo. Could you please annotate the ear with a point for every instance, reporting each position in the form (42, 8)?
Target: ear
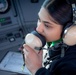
(70, 35)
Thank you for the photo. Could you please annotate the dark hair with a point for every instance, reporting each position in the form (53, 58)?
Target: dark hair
(60, 10)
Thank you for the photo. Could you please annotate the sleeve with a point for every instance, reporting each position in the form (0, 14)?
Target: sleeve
(68, 69)
(43, 71)
(64, 68)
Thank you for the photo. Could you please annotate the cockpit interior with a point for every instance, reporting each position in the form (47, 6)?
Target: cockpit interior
(17, 18)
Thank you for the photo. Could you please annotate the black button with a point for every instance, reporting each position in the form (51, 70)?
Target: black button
(17, 35)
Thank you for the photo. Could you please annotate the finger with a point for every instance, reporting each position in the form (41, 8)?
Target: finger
(25, 51)
(27, 48)
(40, 52)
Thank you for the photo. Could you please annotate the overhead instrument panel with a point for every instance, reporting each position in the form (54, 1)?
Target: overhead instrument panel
(17, 18)
(11, 29)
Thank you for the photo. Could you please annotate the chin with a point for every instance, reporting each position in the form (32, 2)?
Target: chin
(48, 41)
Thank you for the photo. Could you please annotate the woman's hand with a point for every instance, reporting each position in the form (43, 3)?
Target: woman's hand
(33, 59)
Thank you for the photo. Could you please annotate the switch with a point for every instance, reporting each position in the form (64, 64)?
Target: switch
(17, 35)
(11, 39)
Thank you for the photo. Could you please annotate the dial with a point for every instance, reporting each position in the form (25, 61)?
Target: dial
(3, 6)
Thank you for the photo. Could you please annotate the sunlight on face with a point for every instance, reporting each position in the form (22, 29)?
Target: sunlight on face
(48, 27)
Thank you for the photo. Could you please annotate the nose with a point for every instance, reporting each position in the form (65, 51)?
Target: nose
(40, 28)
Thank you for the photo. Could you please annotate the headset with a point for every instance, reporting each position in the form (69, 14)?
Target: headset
(69, 36)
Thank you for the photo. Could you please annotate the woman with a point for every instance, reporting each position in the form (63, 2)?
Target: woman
(54, 17)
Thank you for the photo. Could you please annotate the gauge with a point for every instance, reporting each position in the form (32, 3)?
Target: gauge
(3, 6)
